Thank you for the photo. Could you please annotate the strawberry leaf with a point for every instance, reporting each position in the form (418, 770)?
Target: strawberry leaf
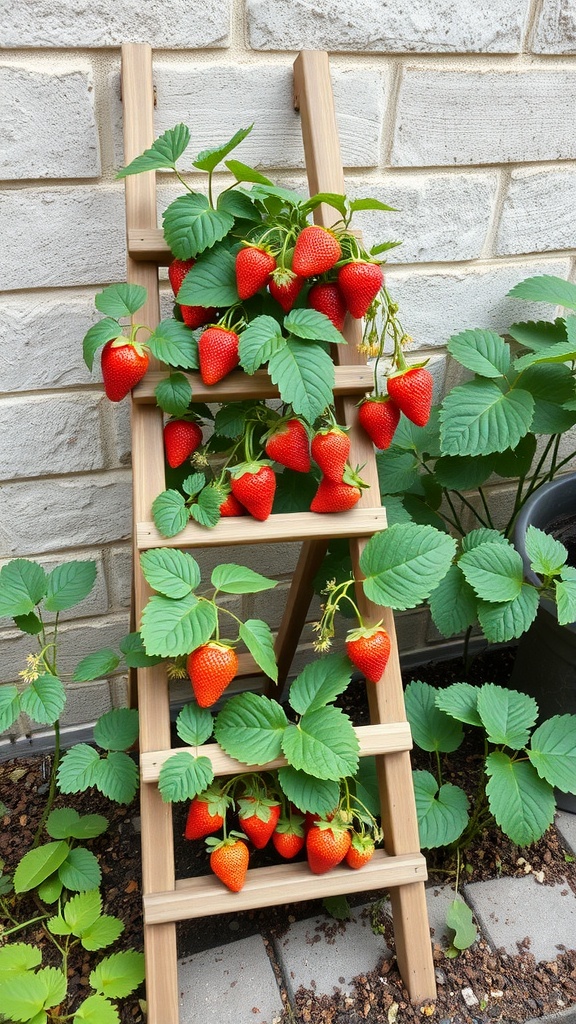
(36, 865)
(258, 342)
(312, 325)
(96, 666)
(333, 199)
(460, 701)
(194, 724)
(117, 729)
(191, 225)
(553, 752)
(77, 770)
(546, 288)
(508, 620)
(370, 204)
(174, 394)
(239, 579)
(174, 627)
(259, 640)
(250, 728)
(68, 584)
(23, 584)
(538, 334)
(304, 373)
(242, 172)
(9, 706)
(80, 871)
(442, 811)
(453, 603)
(239, 205)
(169, 571)
(507, 715)
(404, 564)
(477, 418)
(495, 571)
(43, 700)
(306, 792)
(170, 513)
(134, 654)
(117, 975)
(522, 803)
(206, 511)
(183, 776)
(163, 153)
(483, 352)
(116, 776)
(173, 343)
(101, 332)
(323, 743)
(432, 729)
(319, 683)
(208, 159)
(118, 300)
(211, 281)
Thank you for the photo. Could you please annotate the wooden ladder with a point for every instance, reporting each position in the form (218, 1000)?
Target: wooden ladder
(401, 867)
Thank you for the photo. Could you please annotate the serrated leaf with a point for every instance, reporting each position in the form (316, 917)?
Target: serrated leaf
(77, 769)
(116, 777)
(96, 1010)
(22, 585)
(43, 990)
(442, 811)
(171, 572)
(538, 334)
(57, 925)
(565, 594)
(95, 666)
(522, 803)
(477, 418)
(173, 342)
(69, 584)
(191, 225)
(102, 933)
(193, 484)
(258, 342)
(206, 511)
(82, 910)
(9, 706)
(66, 823)
(334, 199)
(208, 159)
(311, 325)
(239, 205)
(38, 864)
(432, 729)
(507, 715)
(422, 440)
(44, 699)
(459, 919)
(162, 154)
(453, 603)
(483, 352)
(482, 536)
(29, 623)
(50, 890)
(319, 683)
(547, 555)
(194, 724)
(117, 729)
(323, 743)
(120, 300)
(459, 700)
(170, 513)
(495, 571)
(552, 751)
(16, 958)
(242, 172)
(546, 288)
(174, 394)
(184, 776)
(562, 352)
(80, 871)
(173, 627)
(259, 640)
(508, 620)
(238, 579)
(96, 336)
(211, 281)
(304, 374)
(250, 727)
(134, 653)
(116, 976)
(404, 564)
(398, 470)
(463, 473)
(515, 462)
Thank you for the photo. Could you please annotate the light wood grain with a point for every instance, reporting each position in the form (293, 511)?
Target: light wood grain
(239, 386)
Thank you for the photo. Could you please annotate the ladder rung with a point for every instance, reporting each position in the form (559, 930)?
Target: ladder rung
(285, 526)
(390, 738)
(148, 245)
(239, 386)
(277, 885)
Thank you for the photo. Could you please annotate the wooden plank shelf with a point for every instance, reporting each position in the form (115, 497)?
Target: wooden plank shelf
(392, 737)
(277, 885)
(239, 386)
(147, 245)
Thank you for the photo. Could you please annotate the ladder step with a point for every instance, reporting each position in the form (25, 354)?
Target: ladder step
(239, 386)
(278, 885)
(148, 245)
(390, 738)
(285, 526)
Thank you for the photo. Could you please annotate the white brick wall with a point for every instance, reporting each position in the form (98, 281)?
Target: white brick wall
(464, 120)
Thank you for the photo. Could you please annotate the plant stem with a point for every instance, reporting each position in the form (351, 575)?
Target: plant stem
(52, 788)
(25, 924)
(486, 509)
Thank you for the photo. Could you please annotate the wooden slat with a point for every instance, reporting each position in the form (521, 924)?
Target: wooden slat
(147, 245)
(238, 386)
(277, 885)
(373, 739)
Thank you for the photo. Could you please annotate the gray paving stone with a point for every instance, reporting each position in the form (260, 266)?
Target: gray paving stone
(323, 954)
(564, 1017)
(438, 899)
(229, 984)
(566, 825)
(509, 910)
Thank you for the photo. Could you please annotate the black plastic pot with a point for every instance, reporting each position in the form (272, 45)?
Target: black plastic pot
(545, 666)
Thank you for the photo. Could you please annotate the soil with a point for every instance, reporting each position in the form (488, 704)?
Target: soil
(515, 986)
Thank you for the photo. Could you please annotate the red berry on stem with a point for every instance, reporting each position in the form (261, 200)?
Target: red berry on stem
(211, 667)
(285, 291)
(411, 390)
(255, 489)
(217, 353)
(181, 439)
(123, 366)
(315, 252)
(253, 268)
(379, 417)
(328, 299)
(290, 446)
(360, 283)
(330, 450)
(369, 650)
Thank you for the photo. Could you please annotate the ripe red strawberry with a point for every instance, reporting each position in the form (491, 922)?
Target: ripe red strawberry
(177, 272)
(360, 283)
(217, 353)
(123, 366)
(369, 649)
(360, 852)
(327, 844)
(288, 837)
(253, 268)
(258, 818)
(211, 667)
(285, 289)
(379, 417)
(315, 252)
(206, 814)
(328, 299)
(231, 507)
(334, 497)
(411, 390)
(330, 450)
(197, 316)
(229, 862)
(254, 484)
(290, 446)
(181, 438)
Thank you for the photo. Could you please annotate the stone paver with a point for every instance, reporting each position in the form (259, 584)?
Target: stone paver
(438, 899)
(566, 825)
(232, 983)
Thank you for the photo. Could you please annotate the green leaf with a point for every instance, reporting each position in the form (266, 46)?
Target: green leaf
(206, 511)
(546, 288)
(460, 702)
(77, 770)
(459, 919)
(173, 627)
(370, 204)
(69, 584)
(230, 419)
(9, 706)
(208, 159)
(211, 281)
(174, 394)
(522, 803)
(50, 890)
(134, 653)
(259, 640)
(311, 325)
(116, 976)
(516, 461)
(242, 172)
(508, 620)
(117, 729)
(58, 926)
(96, 1010)
(482, 536)
(184, 776)
(171, 572)
(565, 594)
(43, 990)
(432, 729)
(337, 907)
(538, 334)
(307, 793)
(404, 564)
(453, 603)
(119, 300)
(258, 342)
(507, 715)
(477, 418)
(547, 556)
(38, 864)
(333, 199)
(562, 352)
(366, 785)
(97, 335)
(29, 623)
(193, 484)
(66, 823)
(294, 491)
(117, 777)
(240, 206)
(173, 343)
(238, 579)
(191, 225)
(44, 699)
(323, 743)
(170, 513)
(319, 683)
(463, 472)
(22, 586)
(553, 752)
(250, 728)
(163, 153)
(102, 933)
(80, 871)
(442, 811)
(495, 571)
(483, 352)
(95, 666)
(16, 958)
(398, 470)
(304, 373)
(422, 440)
(194, 724)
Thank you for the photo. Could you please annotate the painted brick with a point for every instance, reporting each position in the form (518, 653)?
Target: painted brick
(76, 641)
(448, 117)
(434, 306)
(97, 601)
(52, 515)
(556, 28)
(438, 216)
(216, 105)
(73, 24)
(48, 128)
(538, 211)
(432, 26)
(50, 434)
(79, 237)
